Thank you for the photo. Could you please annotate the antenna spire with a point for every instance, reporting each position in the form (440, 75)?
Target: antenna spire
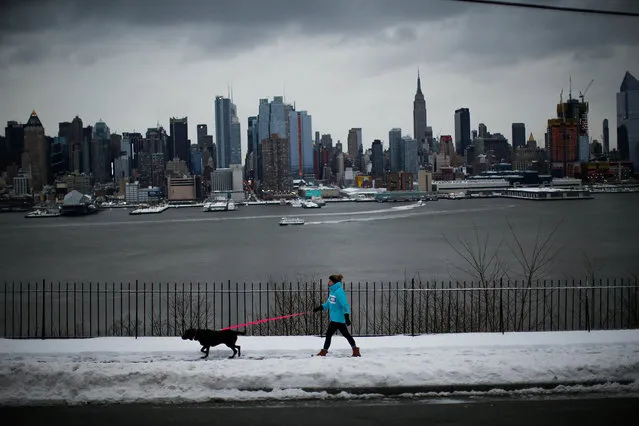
(569, 87)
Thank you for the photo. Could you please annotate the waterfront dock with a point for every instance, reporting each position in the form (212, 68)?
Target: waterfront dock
(547, 194)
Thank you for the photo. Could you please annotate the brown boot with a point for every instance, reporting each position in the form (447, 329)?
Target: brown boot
(356, 351)
(323, 352)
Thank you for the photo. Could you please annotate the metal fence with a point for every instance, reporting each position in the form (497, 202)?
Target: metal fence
(77, 310)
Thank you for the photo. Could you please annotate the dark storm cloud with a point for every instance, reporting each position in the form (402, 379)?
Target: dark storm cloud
(525, 34)
(32, 29)
(315, 16)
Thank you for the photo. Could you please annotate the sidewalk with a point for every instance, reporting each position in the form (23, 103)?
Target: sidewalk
(169, 370)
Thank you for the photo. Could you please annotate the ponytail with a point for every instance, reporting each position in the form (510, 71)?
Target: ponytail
(336, 278)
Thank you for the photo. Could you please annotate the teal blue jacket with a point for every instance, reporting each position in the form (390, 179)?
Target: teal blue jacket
(336, 303)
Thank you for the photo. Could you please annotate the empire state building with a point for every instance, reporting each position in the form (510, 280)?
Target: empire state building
(419, 118)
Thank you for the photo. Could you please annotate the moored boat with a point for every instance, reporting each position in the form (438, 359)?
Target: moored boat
(42, 213)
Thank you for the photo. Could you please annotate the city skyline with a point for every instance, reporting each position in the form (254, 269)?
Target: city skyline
(338, 69)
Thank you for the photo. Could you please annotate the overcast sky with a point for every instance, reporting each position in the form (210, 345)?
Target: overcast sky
(349, 63)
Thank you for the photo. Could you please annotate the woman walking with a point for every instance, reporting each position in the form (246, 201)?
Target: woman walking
(340, 311)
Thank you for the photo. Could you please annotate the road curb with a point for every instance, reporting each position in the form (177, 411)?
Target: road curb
(453, 388)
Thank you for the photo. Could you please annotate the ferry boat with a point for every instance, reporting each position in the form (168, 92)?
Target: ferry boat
(285, 221)
(42, 213)
(149, 210)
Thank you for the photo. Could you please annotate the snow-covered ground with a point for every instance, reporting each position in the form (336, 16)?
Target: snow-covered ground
(170, 370)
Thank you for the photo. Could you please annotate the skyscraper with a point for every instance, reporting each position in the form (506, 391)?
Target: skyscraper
(419, 117)
(101, 152)
(236, 138)
(35, 151)
(14, 132)
(354, 141)
(156, 140)
(227, 133)
(252, 142)
(72, 132)
(606, 137)
(483, 130)
(276, 165)
(462, 130)
(518, 135)
(377, 159)
(411, 159)
(301, 143)
(628, 120)
(354, 146)
(180, 146)
(202, 133)
(396, 149)
(272, 119)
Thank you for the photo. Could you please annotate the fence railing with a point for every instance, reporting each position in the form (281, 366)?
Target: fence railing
(77, 310)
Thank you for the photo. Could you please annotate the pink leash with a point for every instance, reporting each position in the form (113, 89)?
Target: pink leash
(265, 320)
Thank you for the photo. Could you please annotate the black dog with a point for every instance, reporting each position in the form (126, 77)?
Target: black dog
(208, 338)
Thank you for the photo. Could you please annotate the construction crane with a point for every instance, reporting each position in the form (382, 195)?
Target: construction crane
(582, 95)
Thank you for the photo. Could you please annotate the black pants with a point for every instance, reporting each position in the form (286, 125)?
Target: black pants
(332, 328)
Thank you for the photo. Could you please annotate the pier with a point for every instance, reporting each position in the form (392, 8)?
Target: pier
(547, 194)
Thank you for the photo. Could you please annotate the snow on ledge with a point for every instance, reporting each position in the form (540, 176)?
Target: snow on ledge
(168, 369)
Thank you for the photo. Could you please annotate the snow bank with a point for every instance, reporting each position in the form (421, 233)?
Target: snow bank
(164, 369)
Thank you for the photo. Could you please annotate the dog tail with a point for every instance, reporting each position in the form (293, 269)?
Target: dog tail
(241, 333)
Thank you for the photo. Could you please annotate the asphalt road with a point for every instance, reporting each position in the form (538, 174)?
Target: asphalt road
(582, 412)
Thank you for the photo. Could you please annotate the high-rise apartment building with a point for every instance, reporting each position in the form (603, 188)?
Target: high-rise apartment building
(276, 165)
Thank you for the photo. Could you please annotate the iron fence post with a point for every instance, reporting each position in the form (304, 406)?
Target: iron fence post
(97, 305)
(501, 305)
(44, 304)
(5, 309)
(136, 309)
(29, 309)
(152, 310)
(90, 310)
(412, 307)
(587, 312)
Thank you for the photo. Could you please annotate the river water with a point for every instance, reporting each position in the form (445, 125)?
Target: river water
(363, 241)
